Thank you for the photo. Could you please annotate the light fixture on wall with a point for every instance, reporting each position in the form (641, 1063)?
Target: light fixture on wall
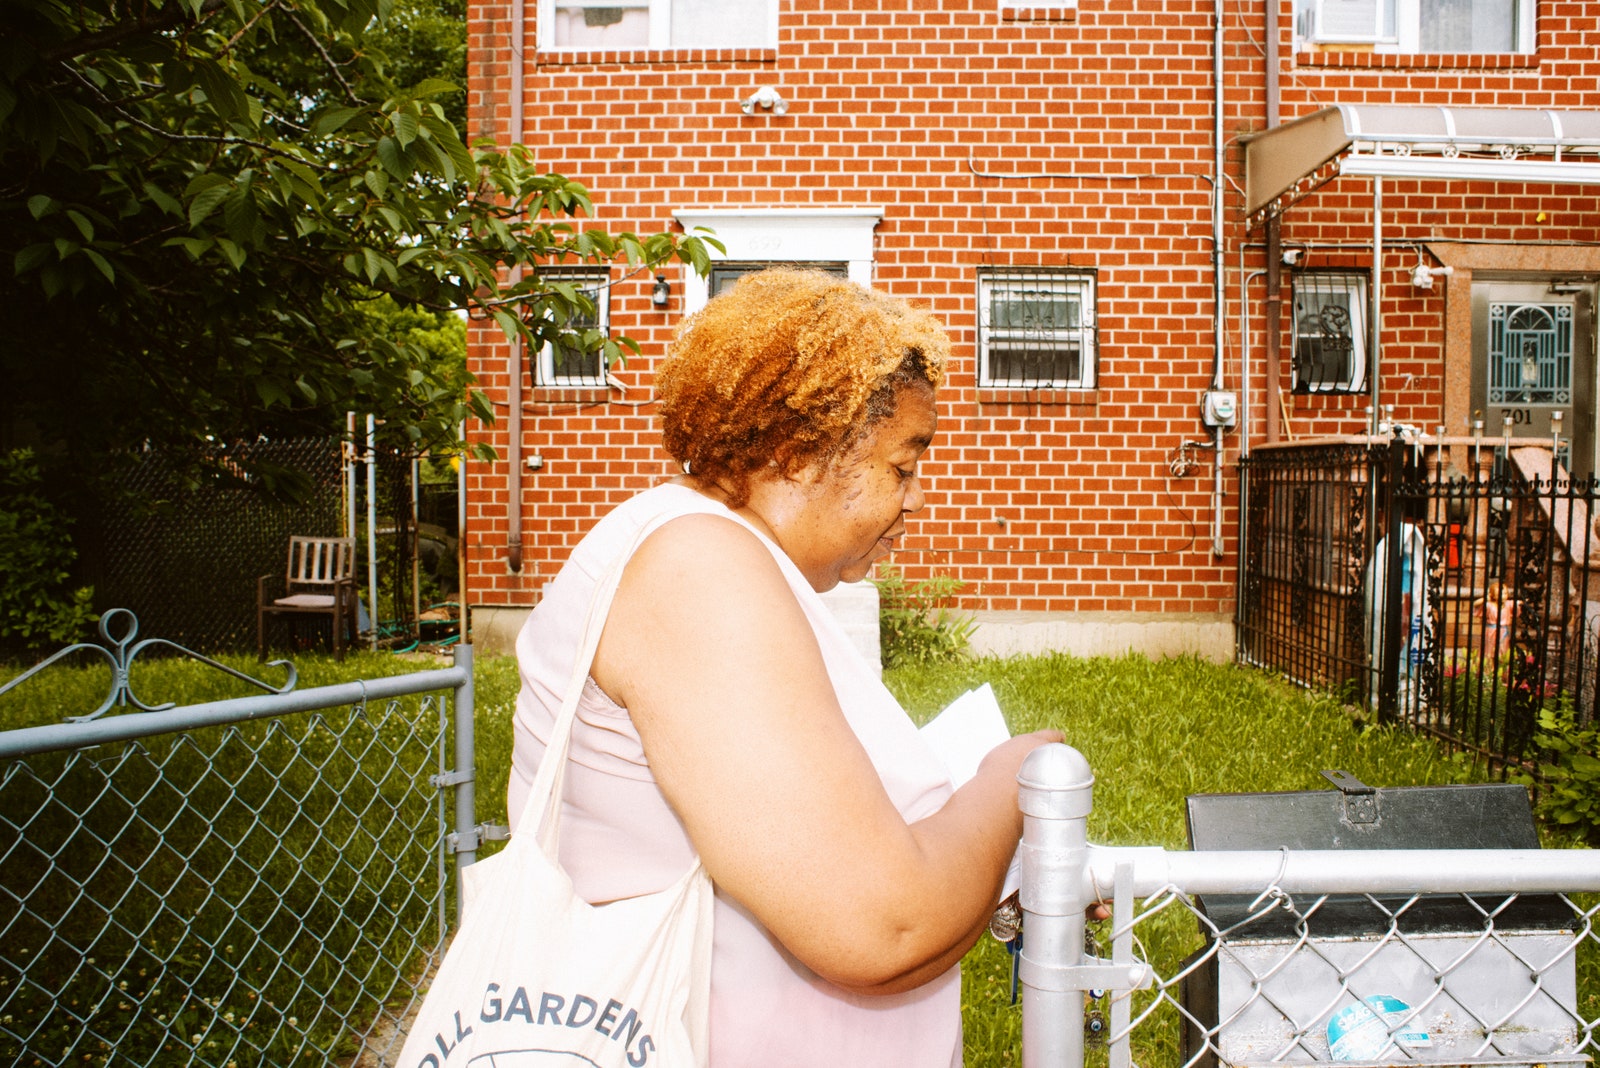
(1422, 275)
(661, 292)
(767, 99)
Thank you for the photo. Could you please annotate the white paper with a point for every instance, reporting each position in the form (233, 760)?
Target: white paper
(965, 731)
(961, 736)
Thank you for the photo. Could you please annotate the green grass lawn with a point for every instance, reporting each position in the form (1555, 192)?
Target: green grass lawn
(1153, 732)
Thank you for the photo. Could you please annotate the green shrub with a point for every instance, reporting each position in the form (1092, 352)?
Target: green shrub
(917, 623)
(1569, 788)
(37, 607)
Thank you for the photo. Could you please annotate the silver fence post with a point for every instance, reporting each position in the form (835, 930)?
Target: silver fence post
(1055, 797)
(466, 767)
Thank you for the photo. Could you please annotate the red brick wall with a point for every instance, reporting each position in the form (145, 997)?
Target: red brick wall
(1083, 142)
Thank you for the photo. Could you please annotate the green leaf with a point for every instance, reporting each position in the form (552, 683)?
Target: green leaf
(332, 120)
(101, 264)
(203, 204)
(433, 87)
(162, 199)
(196, 247)
(271, 393)
(30, 257)
(405, 127)
(240, 217)
(508, 324)
(235, 255)
(393, 160)
(224, 94)
(40, 205)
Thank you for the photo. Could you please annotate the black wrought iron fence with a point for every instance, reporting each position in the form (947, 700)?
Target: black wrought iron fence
(1453, 584)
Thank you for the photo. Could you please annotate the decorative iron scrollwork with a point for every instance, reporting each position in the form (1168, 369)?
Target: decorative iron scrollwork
(121, 651)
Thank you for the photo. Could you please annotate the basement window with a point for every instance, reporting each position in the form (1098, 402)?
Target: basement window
(1036, 328)
(1330, 332)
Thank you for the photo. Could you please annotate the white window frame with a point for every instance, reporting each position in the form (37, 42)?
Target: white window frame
(782, 235)
(1065, 281)
(1044, 10)
(1396, 25)
(660, 33)
(596, 282)
(1353, 286)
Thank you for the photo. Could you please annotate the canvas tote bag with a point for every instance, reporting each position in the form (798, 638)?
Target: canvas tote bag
(537, 977)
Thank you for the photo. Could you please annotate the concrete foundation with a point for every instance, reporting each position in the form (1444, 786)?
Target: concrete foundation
(854, 605)
(494, 630)
(1104, 634)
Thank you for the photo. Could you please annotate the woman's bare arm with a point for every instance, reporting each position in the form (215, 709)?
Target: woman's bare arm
(722, 676)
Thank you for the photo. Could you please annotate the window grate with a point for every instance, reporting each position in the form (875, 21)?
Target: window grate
(1036, 328)
(577, 358)
(1330, 332)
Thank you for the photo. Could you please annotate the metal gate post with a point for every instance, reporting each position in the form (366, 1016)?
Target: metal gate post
(1395, 626)
(466, 767)
(1055, 797)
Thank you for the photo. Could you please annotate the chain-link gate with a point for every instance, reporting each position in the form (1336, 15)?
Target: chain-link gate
(1499, 989)
(258, 881)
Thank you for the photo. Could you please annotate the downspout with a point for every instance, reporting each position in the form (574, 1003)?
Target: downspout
(1375, 317)
(1217, 279)
(514, 360)
(1274, 305)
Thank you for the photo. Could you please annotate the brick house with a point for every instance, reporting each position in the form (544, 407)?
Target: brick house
(1140, 280)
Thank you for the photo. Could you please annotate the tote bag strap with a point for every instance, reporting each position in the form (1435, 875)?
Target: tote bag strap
(543, 806)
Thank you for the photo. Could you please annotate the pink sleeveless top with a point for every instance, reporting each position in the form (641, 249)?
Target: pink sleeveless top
(619, 838)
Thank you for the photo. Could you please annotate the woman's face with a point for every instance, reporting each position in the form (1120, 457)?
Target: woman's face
(847, 516)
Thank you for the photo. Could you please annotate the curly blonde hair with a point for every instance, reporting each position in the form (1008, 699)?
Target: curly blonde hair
(789, 367)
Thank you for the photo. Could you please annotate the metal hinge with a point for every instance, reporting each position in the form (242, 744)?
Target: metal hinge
(469, 841)
(1360, 800)
(449, 778)
(1093, 974)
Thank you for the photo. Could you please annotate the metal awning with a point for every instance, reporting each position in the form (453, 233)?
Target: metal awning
(1483, 144)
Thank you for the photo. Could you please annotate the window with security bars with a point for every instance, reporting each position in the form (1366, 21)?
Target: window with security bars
(577, 359)
(1036, 328)
(1530, 353)
(1330, 332)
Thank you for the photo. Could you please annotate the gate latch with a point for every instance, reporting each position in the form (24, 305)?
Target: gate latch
(469, 841)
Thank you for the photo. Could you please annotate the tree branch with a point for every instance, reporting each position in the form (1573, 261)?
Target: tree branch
(141, 27)
(333, 66)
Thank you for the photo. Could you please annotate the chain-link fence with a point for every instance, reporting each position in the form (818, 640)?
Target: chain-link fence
(1280, 956)
(260, 881)
(183, 549)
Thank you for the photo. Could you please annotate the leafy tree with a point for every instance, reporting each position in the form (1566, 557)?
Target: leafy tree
(201, 202)
(38, 604)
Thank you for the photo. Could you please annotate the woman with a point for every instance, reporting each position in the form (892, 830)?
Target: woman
(728, 715)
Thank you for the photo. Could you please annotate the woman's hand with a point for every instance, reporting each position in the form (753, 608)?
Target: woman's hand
(718, 667)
